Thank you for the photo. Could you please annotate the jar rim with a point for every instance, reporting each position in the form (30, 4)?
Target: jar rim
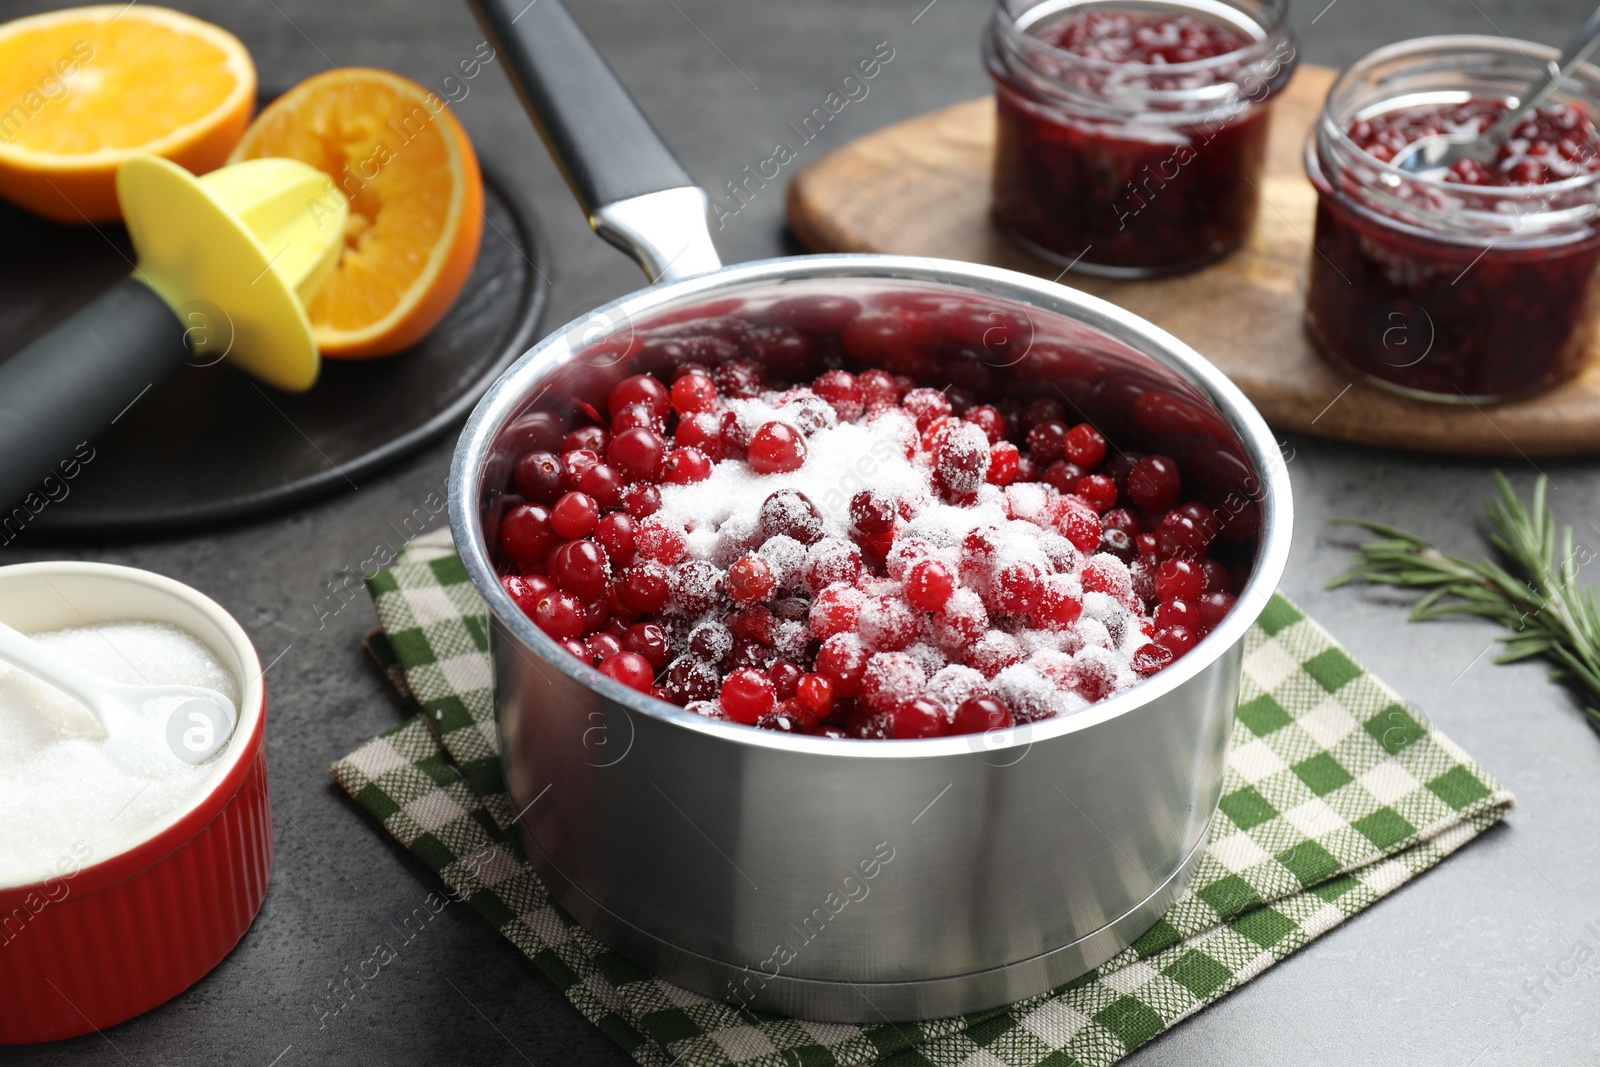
(1464, 45)
(1010, 36)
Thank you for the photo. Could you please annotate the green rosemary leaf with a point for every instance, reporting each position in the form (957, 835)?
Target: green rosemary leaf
(1530, 590)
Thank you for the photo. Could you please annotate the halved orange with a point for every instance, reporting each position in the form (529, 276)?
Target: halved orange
(416, 202)
(85, 88)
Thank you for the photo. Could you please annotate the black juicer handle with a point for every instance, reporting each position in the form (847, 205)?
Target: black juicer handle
(71, 384)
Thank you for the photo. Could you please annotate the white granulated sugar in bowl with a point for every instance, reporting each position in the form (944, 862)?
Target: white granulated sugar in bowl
(63, 784)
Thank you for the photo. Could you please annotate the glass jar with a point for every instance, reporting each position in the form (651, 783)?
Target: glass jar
(1437, 289)
(1131, 169)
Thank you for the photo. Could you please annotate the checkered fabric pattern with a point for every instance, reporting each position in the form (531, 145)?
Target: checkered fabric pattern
(1336, 794)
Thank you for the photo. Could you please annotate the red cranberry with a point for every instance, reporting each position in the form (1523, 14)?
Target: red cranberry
(638, 454)
(785, 679)
(929, 584)
(578, 649)
(1154, 483)
(1186, 531)
(636, 417)
(601, 482)
(525, 533)
(1079, 524)
(918, 717)
(631, 669)
(842, 659)
(692, 393)
(980, 714)
(750, 580)
(1085, 446)
(650, 641)
(574, 515)
(1216, 577)
(586, 439)
(1045, 409)
(925, 406)
(814, 692)
(1062, 476)
(878, 389)
(690, 679)
(684, 466)
(640, 389)
(1178, 579)
(704, 432)
(1177, 639)
(1151, 658)
(580, 568)
(747, 695)
(538, 476)
(835, 611)
(641, 500)
(1003, 463)
(1046, 441)
(525, 590)
(1177, 613)
(1117, 543)
(602, 646)
(1098, 491)
(738, 379)
(776, 448)
(1122, 519)
(560, 615)
(614, 531)
(840, 390)
(1212, 607)
(644, 587)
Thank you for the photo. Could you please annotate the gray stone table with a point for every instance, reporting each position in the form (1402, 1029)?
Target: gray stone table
(1432, 975)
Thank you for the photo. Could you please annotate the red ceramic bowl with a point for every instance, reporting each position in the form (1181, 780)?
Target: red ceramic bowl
(95, 939)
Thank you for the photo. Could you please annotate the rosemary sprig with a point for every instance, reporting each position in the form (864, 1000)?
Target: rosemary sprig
(1538, 598)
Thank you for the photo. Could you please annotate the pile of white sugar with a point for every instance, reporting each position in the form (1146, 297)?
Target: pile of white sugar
(63, 784)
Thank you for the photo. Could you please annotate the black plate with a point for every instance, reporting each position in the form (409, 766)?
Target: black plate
(209, 444)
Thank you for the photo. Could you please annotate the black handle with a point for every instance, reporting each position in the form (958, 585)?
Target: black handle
(601, 140)
(68, 386)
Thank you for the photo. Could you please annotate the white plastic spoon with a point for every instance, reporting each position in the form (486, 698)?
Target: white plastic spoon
(197, 730)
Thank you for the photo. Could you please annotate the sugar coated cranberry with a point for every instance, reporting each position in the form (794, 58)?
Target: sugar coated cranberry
(844, 661)
(640, 389)
(871, 512)
(987, 418)
(1154, 483)
(560, 615)
(684, 466)
(538, 476)
(750, 580)
(693, 393)
(979, 714)
(840, 390)
(641, 500)
(574, 515)
(660, 541)
(929, 584)
(747, 695)
(790, 513)
(631, 669)
(525, 533)
(776, 448)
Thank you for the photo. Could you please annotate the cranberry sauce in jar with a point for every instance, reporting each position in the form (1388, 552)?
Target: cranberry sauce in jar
(1131, 135)
(1477, 282)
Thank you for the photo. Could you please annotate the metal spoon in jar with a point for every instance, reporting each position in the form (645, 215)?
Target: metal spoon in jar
(198, 729)
(1441, 150)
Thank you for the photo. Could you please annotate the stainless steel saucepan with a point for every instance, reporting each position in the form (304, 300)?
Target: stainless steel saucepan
(842, 879)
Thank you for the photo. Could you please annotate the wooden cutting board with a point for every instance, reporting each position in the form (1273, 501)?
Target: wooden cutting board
(921, 187)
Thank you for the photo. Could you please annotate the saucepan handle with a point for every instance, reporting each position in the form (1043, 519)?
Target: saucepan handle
(636, 193)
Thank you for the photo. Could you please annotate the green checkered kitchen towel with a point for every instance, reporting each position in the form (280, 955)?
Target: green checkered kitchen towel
(1336, 794)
